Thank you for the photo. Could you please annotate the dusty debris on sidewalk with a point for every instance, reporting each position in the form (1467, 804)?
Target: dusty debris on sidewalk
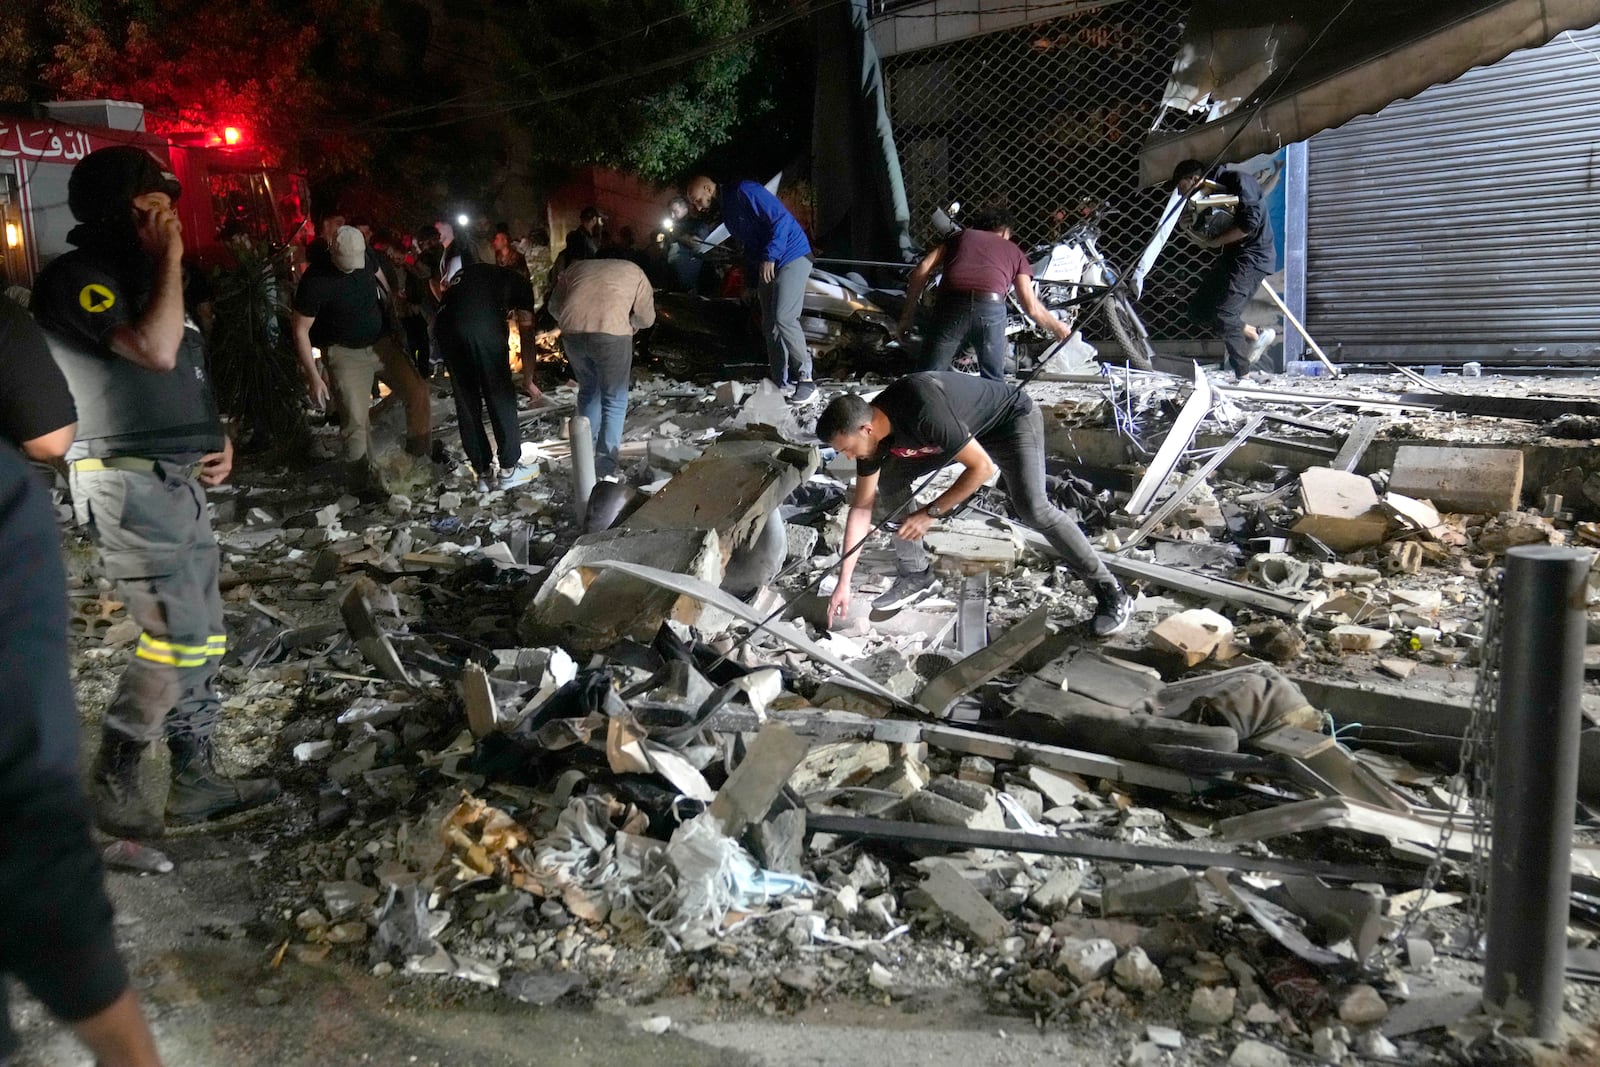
(567, 762)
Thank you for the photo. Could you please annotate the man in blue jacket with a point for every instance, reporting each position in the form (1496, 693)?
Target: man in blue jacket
(777, 254)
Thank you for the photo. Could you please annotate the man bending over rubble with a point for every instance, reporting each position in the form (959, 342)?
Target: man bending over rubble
(923, 422)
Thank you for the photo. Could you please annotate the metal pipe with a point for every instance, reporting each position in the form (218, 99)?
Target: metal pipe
(1535, 785)
(581, 441)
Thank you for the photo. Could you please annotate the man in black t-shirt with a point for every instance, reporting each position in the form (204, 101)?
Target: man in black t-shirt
(474, 336)
(36, 410)
(338, 309)
(1249, 254)
(926, 421)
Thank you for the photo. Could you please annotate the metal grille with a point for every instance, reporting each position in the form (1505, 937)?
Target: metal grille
(1039, 117)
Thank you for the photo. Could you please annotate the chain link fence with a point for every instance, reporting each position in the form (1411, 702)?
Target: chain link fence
(1040, 117)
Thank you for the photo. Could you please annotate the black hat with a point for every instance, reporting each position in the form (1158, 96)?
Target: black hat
(104, 183)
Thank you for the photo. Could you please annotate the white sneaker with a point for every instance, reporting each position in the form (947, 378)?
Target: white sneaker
(1264, 340)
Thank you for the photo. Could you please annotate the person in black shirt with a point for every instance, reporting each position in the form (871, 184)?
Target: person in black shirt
(56, 933)
(926, 421)
(1248, 256)
(474, 336)
(339, 309)
(36, 410)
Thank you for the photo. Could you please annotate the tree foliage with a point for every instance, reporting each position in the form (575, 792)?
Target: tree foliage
(423, 91)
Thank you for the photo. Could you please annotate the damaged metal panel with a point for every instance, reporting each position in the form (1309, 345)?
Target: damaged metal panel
(1453, 226)
(1320, 65)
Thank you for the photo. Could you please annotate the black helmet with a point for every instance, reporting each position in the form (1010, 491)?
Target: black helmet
(104, 183)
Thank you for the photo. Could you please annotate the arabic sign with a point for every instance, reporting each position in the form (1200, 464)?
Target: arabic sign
(49, 142)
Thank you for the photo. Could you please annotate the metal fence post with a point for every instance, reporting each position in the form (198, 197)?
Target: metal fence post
(1535, 784)
(581, 440)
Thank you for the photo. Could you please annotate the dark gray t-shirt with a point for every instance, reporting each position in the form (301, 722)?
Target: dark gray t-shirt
(932, 415)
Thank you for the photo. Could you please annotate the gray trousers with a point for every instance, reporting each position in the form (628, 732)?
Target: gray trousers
(782, 299)
(1017, 448)
(154, 536)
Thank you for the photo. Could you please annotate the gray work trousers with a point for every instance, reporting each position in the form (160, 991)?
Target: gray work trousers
(154, 536)
(782, 300)
(1017, 448)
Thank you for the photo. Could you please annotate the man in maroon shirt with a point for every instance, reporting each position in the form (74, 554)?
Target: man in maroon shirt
(980, 266)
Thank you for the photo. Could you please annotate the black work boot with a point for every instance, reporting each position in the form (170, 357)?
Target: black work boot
(1113, 608)
(120, 809)
(200, 791)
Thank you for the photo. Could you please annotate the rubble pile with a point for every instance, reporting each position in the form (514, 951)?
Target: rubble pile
(612, 751)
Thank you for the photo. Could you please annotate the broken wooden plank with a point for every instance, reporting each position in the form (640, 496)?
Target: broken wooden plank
(1356, 442)
(752, 787)
(937, 696)
(1059, 758)
(1184, 427)
(710, 594)
(1096, 848)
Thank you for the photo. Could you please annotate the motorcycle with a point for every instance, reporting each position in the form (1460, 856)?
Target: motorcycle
(849, 327)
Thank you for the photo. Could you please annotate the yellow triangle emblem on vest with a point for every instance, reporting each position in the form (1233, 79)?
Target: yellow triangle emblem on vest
(95, 298)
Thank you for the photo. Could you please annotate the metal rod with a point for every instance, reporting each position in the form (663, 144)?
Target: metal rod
(581, 440)
(1316, 349)
(1067, 844)
(1535, 785)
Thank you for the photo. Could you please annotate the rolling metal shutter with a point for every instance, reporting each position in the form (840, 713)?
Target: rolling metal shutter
(1463, 223)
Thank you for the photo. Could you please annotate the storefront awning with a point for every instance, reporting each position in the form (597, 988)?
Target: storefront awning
(1238, 52)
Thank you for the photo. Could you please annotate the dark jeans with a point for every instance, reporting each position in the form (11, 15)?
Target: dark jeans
(959, 319)
(1017, 448)
(480, 376)
(1219, 304)
(782, 300)
(603, 365)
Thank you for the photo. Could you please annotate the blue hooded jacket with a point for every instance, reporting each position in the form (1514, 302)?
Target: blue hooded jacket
(763, 226)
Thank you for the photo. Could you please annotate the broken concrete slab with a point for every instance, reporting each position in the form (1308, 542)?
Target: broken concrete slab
(585, 608)
(1163, 891)
(962, 906)
(731, 488)
(1340, 510)
(1358, 638)
(1473, 481)
(971, 546)
(758, 779)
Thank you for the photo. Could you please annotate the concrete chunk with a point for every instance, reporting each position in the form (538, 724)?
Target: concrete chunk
(759, 778)
(1473, 481)
(963, 907)
(1194, 635)
(1166, 891)
(1340, 510)
(1087, 961)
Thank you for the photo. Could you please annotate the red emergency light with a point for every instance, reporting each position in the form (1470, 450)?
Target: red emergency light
(232, 135)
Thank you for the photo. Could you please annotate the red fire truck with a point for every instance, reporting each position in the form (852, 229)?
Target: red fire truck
(227, 190)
